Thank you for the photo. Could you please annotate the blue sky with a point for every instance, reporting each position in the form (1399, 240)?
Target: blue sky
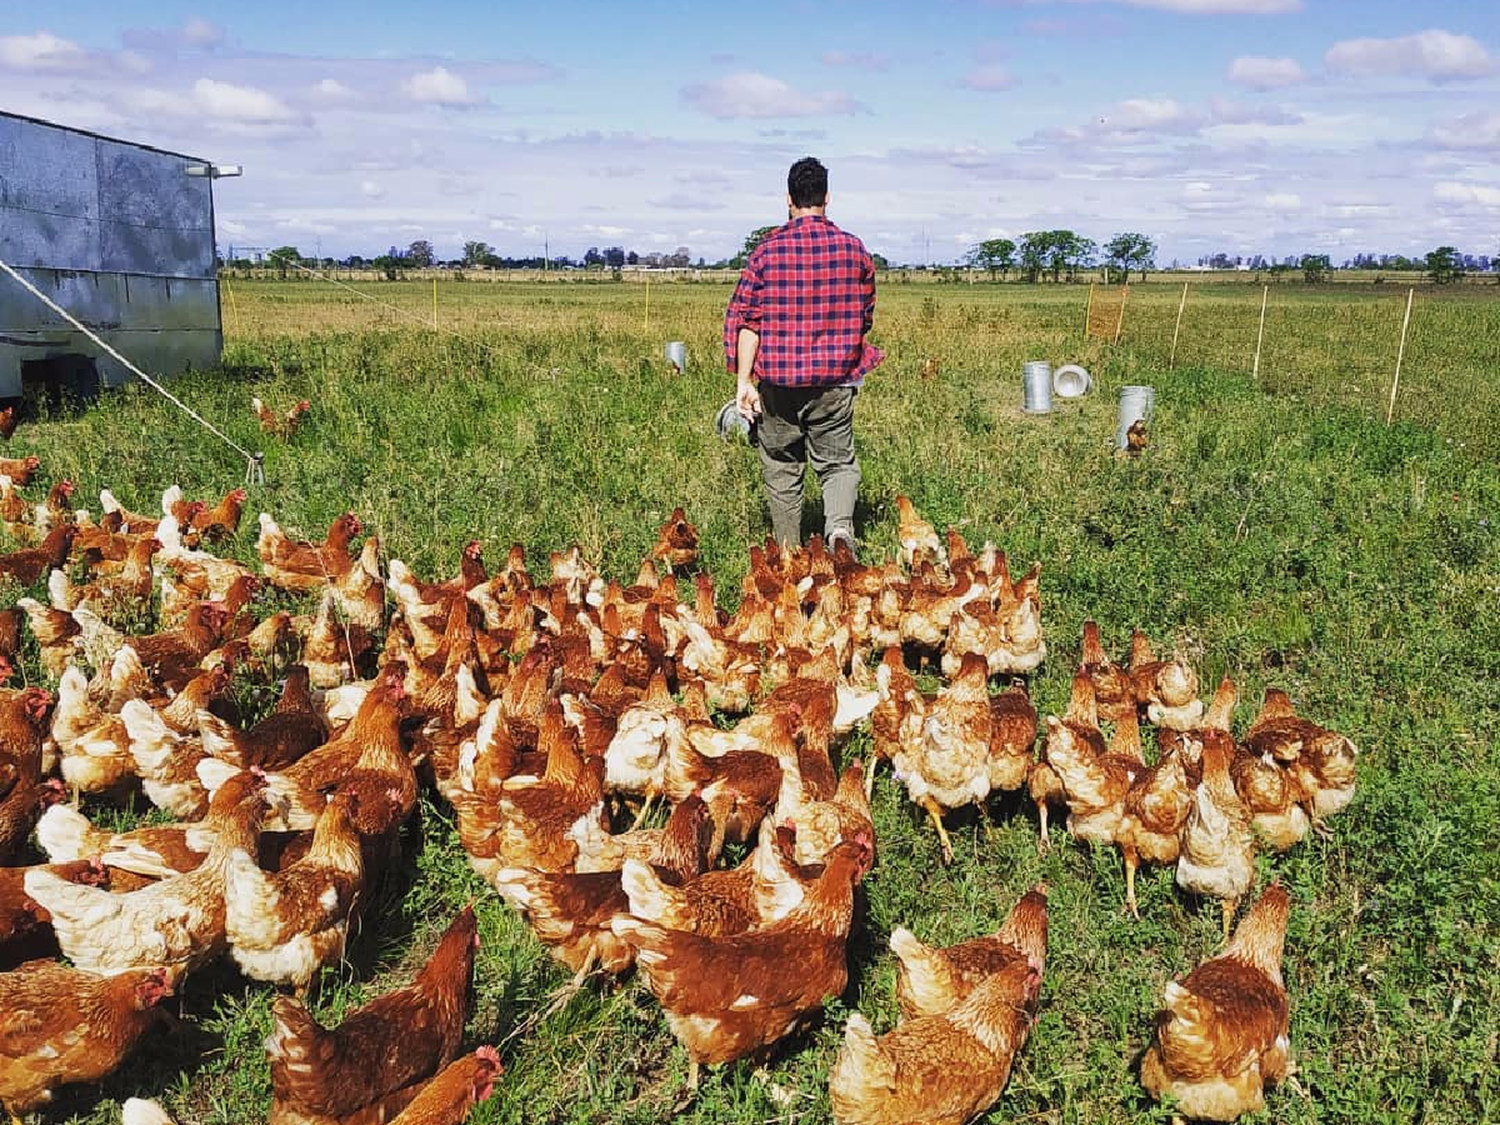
(1270, 126)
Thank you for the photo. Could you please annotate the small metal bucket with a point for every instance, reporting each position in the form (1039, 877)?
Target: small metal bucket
(1036, 387)
(730, 423)
(1072, 381)
(1136, 404)
(677, 355)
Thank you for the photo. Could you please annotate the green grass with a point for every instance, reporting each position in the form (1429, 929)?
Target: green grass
(1280, 532)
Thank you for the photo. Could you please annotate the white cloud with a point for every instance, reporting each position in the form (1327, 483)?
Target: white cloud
(1261, 73)
(332, 90)
(200, 33)
(245, 104)
(1150, 115)
(371, 190)
(990, 78)
(1479, 130)
(1450, 191)
(438, 86)
(751, 94)
(1283, 201)
(1439, 55)
(40, 52)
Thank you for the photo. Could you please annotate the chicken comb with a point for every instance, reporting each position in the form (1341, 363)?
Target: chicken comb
(490, 1055)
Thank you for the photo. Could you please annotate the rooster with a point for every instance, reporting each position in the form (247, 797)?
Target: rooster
(177, 922)
(676, 542)
(1222, 1036)
(20, 470)
(393, 1041)
(282, 928)
(937, 1070)
(282, 425)
(931, 981)
(63, 1025)
(729, 997)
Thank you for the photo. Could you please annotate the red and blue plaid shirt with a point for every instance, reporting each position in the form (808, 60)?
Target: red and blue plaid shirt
(808, 292)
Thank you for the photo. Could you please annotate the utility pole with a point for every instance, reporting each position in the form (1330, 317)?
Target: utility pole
(546, 252)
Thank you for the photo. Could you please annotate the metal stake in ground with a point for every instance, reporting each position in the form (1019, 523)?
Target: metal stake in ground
(1261, 335)
(1120, 320)
(1182, 304)
(1390, 411)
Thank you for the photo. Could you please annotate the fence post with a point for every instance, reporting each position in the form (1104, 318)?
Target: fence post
(1120, 320)
(1390, 411)
(648, 303)
(1182, 304)
(434, 305)
(233, 306)
(1260, 335)
(1088, 313)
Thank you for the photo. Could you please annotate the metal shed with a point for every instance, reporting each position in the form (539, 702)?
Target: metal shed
(119, 234)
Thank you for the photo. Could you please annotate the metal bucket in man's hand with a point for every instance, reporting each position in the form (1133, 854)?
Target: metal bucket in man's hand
(1036, 387)
(731, 424)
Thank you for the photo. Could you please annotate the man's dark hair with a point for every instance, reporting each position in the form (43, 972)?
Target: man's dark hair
(807, 183)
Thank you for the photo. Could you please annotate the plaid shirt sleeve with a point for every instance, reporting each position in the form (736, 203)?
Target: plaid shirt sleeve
(808, 291)
(744, 310)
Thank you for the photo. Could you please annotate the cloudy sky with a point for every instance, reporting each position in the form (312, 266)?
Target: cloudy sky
(1271, 126)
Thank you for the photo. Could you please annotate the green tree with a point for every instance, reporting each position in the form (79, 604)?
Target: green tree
(1034, 250)
(477, 253)
(881, 261)
(1062, 253)
(1076, 253)
(752, 240)
(1131, 251)
(1443, 265)
(1315, 267)
(994, 254)
(283, 258)
(419, 254)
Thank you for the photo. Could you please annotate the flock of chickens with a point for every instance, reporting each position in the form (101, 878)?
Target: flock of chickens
(552, 713)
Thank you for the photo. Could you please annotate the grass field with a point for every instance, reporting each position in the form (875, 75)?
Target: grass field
(1278, 531)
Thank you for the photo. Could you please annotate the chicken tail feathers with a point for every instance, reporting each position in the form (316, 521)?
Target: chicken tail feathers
(649, 898)
(66, 834)
(862, 1067)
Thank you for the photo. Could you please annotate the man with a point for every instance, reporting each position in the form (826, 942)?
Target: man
(794, 335)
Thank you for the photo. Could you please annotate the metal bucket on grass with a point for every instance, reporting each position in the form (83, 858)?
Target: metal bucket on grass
(677, 355)
(1136, 404)
(1072, 381)
(1036, 387)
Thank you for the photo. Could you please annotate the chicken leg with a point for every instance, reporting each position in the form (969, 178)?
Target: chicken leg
(1044, 843)
(936, 813)
(1132, 861)
(1228, 906)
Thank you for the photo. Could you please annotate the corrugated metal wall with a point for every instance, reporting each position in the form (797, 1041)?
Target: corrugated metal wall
(120, 236)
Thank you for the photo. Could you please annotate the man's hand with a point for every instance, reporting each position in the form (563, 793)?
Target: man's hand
(747, 400)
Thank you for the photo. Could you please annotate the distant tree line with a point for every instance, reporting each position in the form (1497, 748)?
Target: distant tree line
(1052, 255)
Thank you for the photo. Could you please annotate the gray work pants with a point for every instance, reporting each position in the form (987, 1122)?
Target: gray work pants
(801, 423)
